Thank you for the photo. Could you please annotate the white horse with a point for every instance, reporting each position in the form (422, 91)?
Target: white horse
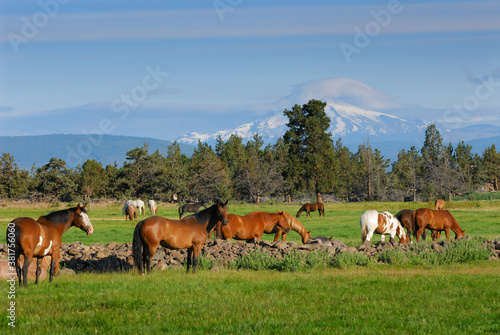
(141, 208)
(139, 204)
(153, 208)
(381, 223)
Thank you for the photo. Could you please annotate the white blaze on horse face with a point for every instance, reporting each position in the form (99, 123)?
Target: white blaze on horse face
(87, 223)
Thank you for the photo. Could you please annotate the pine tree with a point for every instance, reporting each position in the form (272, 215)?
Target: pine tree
(310, 163)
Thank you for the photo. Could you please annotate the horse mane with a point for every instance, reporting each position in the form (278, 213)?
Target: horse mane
(61, 216)
(296, 225)
(204, 215)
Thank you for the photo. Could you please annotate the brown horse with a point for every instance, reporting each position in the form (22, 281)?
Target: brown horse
(436, 221)
(40, 238)
(191, 232)
(251, 226)
(191, 208)
(311, 208)
(439, 204)
(131, 212)
(405, 216)
(294, 225)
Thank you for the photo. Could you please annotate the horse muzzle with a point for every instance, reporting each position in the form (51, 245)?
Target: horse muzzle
(90, 231)
(224, 222)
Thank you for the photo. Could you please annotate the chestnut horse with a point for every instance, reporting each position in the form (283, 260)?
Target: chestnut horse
(191, 232)
(294, 225)
(381, 223)
(40, 238)
(191, 208)
(439, 204)
(251, 226)
(437, 221)
(131, 212)
(311, 208)
(405, 216)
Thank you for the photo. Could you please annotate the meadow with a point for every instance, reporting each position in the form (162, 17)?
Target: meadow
(456, 298)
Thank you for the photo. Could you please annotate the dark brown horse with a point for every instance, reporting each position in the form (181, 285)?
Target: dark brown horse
(405, 216)
(251, 226)
(40, 238)
(191, 208)
(311, 208)
(436, 221)
(131, 212)
(191, 232)
(294, 224)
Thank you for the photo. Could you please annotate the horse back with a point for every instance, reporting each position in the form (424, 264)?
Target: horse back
(173, 234)
(34, 237)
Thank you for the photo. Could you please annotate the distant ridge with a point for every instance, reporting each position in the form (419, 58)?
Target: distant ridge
(76, 149)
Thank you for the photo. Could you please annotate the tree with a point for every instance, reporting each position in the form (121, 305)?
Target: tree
(56, 180)
(176, 178)
(310, 158)
(13, 181)
(260, 172)
(491, 163)
(432, 151)
(92, 179)
(405, 171)
(343, 172)
(208, 174)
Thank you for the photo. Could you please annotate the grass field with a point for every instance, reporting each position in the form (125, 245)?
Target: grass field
(451, 299)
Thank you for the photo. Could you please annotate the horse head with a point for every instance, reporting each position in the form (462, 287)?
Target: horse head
(82, 220)
(283, 222)
(403, 237)
(222, 212)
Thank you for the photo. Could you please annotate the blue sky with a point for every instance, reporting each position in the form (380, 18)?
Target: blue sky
(166, 68)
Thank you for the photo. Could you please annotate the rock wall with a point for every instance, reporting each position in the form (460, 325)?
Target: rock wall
(113, 257)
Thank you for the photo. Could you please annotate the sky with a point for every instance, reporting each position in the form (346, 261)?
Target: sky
(163, 69)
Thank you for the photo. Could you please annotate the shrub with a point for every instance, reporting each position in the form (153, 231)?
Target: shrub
(347, 259)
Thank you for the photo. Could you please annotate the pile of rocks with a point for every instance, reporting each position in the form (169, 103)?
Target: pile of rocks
(115, 257)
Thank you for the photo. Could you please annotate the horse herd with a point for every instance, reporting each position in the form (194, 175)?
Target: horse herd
(416, 222)
(28, 238)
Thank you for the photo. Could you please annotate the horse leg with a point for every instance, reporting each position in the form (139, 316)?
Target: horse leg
(277, 235)
(196, 253)
(27, 261)
(447, 231)
(18, 270)
(38, 269)
(148, 254)
(189, 259)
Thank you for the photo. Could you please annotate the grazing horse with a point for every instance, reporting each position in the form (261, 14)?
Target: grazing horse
(190, 232)
(131, 212)
(250, 227)
(381, 223)
(153, 208)
(437, 221)
(40, 238)
(139, 204)
(294, 225)
(191, 208)
(405, 216)
(311, 208)
(141, 208)
(439, 204)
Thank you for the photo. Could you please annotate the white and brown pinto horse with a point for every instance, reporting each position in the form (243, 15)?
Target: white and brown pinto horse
(381, 223)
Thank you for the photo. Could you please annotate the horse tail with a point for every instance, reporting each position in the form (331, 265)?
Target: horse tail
(137, 246)
(414, 223)
(364, 229)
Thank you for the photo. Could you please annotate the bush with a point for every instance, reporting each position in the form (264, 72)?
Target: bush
(347, 259)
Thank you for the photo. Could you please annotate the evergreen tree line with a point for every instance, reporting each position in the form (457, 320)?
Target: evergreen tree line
(305, 162)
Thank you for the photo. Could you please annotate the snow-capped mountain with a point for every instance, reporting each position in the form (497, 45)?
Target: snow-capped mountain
(351, 123)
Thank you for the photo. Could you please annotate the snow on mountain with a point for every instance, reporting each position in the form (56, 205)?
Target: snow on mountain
(352, 123)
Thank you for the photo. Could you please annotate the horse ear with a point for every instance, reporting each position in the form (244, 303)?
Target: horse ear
(281, 212)
(225, 204)
(309, 231)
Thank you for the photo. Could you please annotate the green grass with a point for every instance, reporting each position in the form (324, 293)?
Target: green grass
(313, 294)
(478, 218)
(455, 299)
